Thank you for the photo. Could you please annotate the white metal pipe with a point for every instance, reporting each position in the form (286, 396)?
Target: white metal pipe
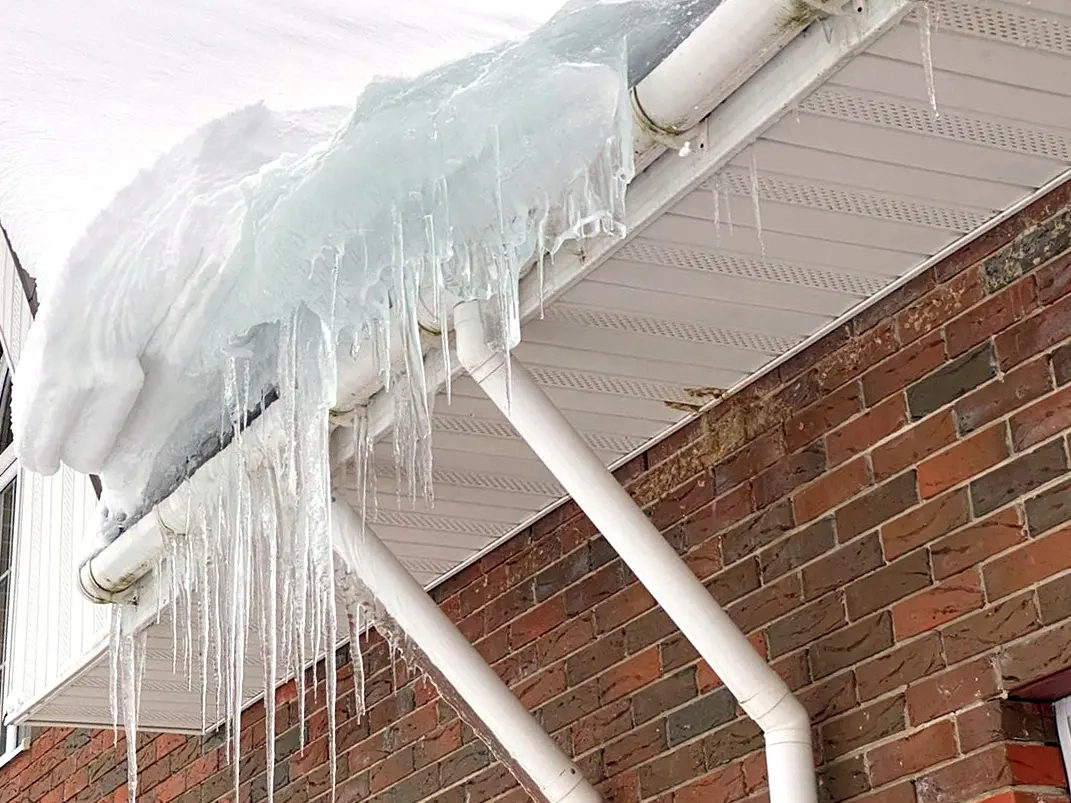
(461, 666)
(761, 692)
(725, 50)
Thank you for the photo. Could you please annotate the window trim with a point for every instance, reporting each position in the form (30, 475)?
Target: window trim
(13, 738)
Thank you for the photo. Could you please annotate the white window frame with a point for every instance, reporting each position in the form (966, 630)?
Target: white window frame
(13, 739)
(1062, 709)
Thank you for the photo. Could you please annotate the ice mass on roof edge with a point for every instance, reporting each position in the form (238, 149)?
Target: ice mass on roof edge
(243, 265)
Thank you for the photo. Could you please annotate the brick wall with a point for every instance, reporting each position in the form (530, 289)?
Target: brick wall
(887, 516)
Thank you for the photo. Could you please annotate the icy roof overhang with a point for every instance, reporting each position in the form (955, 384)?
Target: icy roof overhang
(858, 190)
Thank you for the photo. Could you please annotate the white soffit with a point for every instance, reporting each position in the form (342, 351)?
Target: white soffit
(858, 187)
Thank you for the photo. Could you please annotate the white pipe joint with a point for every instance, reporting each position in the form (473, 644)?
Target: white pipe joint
(761, 692)
(451, 654)
(729, 46)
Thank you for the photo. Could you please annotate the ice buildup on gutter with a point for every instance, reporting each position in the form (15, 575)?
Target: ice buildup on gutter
(228, 281)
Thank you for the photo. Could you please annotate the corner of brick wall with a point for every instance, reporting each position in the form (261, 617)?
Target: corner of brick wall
(888, 517)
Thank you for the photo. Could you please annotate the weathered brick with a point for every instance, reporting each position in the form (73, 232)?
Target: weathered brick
(905, 576)
(767, 603)
(635, 747)
(536, 622)
(858, 354)
(913, 753)
(1017, 478)
(1054, 279)
(841, 566)
(863, 726)
(965, 779)
(562, 574)
(707, 712)
(1026, 565)
(842, 779)
(835, 487)
(1041, 420)
(1030, 250)
(1061, 364)
(996, 625)
(648, 629)
(877, 506)
(1036, 657)
(952, 690)
(664, 695)
(946, 601)
(570, 706)
(995, 399)
(859, 434)
(1035, 334)
(824, 415)
(995, 315)
(1054, 599)
(903, 665)
(921, 440)
(732, 741)
(671, 770)
(851, 645)
(909, 364)
(633, 674)
(941, 304)
(829, 697)
(757, 532)
(951, 382)
(797, 549)
(974, 544)
(925, 524)
(622, 607)
(1049, 508)
(749, 461)
(893, 302)
(795, 470)
(593, 659)
(1005, 720)
(739, 579)
(607, 723)
(810, 622)
(970, 458)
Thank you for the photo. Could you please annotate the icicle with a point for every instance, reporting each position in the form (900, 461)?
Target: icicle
(756, 202)
(926, 26)
(113, 665)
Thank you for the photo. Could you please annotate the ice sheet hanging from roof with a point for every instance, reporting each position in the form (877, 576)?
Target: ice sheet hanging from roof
(452, 180)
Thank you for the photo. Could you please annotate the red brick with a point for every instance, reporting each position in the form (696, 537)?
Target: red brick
(941, 304)
(903, 665)
(995, 315)
(965, 779)
(913, 753)
(678, 503)
(877, 506)
(1041, 420)
(952, 690)
(923, 439)
(974, 544)
(995, 399)
(733, 507)
(1054, 280)
(963, 461)
(826, 493)
(861, 433)
(1035, 334)
(857, 355)
(841, 566)
(945, 602)
(1034, 561)
(1036, 765)
(724, 785)
(992, 627)
(633, 674)
(862, 726)
(607, 723)
(780, 480)
(822, 416)
(749, 461)
(910, 363)
(565, 639)
(622, 607)
(924, 524)
(886, 306)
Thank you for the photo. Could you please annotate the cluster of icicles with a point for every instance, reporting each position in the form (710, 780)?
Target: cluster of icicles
(253, 575)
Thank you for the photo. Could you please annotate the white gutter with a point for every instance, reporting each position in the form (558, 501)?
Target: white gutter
(761, 692)
(529, 751)
(719, 56)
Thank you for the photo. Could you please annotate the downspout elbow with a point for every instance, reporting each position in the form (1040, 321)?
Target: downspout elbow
(477, 358)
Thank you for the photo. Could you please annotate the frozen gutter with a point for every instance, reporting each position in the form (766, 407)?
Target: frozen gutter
(717, 58)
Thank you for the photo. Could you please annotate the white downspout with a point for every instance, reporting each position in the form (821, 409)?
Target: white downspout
(761, 692)
(527, 746)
